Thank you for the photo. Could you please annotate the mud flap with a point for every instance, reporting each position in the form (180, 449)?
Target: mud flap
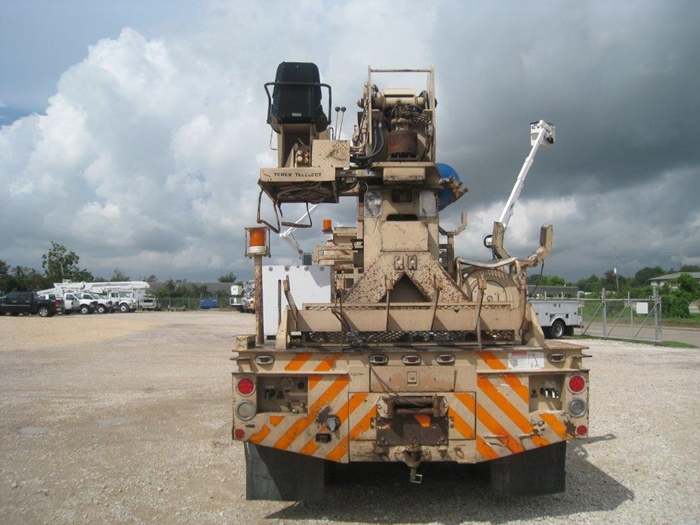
(533, 473)
(277, 475)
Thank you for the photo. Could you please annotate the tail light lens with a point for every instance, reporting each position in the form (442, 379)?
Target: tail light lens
(411, 359)
(245, 410)
(445, 359)
(578, 407)
(264, 360)
(378, 359)
(245, 386)
(577, 384)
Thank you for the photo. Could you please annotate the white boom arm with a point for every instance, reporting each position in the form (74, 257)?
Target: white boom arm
(539, 133)
(289, 238)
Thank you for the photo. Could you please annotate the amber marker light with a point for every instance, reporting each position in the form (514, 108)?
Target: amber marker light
(327, 226)
(257, 241)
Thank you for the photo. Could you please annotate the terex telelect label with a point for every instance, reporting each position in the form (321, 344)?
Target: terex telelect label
(297, 174)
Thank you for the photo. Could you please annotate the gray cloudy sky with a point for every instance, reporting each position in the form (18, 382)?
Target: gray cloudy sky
(133, 132)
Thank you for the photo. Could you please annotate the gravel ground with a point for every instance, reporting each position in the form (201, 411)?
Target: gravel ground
(125, 418)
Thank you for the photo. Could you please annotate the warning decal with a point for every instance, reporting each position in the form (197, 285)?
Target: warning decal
(525, 360)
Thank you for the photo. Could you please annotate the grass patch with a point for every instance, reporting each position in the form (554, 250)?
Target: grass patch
(668, 344)
(690, 322)
(677, 344)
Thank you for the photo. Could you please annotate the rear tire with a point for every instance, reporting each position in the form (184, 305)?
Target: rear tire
(556, 331)
(532, 473)
(278, 475)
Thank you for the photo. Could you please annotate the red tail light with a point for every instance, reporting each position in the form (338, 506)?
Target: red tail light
(577, 384)
(245, 386)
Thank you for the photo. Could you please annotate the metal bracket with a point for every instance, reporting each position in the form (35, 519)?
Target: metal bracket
(263, 221)
(297, 224)
(458, 230)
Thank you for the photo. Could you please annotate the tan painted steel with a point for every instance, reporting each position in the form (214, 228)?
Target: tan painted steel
(486, 403)
(419, 355)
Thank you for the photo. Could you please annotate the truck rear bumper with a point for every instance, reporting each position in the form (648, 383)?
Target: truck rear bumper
(483, 406)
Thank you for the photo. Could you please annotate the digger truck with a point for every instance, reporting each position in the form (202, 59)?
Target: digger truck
(418, 356)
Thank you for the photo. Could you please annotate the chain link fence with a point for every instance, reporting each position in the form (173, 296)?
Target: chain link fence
(179, 304)
(626, 318)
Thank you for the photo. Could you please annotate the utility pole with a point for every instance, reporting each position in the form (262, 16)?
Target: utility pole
(617, 278)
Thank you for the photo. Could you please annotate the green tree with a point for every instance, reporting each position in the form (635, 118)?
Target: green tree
(60, 264)
(546, 280)
(688, 285)
(175, 289)
(591, 285)
(227, 278)
(23, 278)
(642, 277)
(674, 304)
(118, 275)
(197, 289)
(4, 272)
(678, 294)
(613, 282)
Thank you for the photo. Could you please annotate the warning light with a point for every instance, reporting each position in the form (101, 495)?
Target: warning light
(239, 433)
(257, 241)
(327, 226)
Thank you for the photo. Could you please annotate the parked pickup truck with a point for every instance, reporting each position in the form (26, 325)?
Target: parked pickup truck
(104, 305)
(150, 302)
(71, 303)
(88, 304)
(15, 303)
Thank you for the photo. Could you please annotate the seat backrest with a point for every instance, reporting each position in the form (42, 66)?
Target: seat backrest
(296, 96)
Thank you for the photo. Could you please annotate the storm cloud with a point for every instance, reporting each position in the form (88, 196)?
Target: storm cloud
(146, 155)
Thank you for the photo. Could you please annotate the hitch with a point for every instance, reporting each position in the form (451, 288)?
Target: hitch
(415, 477)
(412, 455)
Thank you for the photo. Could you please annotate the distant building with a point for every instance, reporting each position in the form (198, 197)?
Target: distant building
(665, 279)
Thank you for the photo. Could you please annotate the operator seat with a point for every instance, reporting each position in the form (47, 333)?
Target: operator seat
(296, 97)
